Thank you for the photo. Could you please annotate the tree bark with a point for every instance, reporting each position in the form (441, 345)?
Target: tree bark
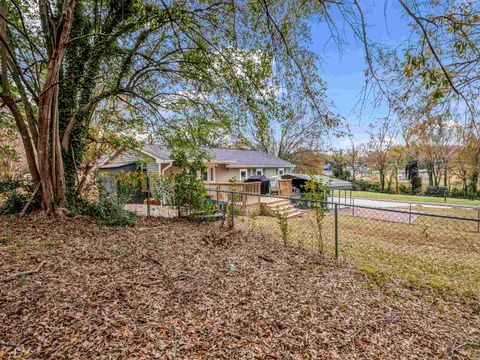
(382, 179)
(445, 175)
(10, 102)
(42, 144)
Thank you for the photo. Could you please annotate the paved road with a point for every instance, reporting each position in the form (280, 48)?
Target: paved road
(381, 203)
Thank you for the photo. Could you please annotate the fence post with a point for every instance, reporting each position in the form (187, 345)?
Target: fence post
(353, 206)
(478, 223)
(148, 196)
(232, 210)
(177, 201)
(336, 231)
(410, 214)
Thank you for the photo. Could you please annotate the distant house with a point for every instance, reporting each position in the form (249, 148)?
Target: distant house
(224, 164)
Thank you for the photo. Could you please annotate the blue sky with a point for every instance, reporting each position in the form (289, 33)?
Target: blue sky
(343, 70)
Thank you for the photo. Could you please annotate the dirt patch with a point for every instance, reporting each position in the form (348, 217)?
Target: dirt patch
(179, 289)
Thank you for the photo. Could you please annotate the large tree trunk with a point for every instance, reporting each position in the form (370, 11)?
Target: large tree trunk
(437, 175)
(397, 187)
(49, 150)
(429, 168)
(42, 146)
(389, 182)
(382, 179)
(474, 181)
(10, 102)
(445, 175)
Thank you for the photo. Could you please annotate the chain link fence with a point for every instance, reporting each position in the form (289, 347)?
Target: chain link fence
(433, 248)
(435, 252)
(322, 225)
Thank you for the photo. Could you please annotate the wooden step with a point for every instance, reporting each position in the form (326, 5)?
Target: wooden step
(295, 213)
(282, 207)
(278, 203)
(289, 211)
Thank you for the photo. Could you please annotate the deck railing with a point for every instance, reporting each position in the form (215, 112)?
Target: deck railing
(220, 191)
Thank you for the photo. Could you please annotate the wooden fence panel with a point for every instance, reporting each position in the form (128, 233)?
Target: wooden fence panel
(285, 187)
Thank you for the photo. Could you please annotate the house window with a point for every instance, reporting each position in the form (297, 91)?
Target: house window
(208, 175)
(243, 174)
(281, 171)
(258, 172)
(202, 175)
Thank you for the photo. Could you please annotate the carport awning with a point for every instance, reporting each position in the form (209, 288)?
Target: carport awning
(118, 165)
(333, 183)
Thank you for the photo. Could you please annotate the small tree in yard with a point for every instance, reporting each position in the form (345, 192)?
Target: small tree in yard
(282, 220)
(315, 190)
(188, 186)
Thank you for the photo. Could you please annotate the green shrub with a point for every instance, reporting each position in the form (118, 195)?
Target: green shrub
(365, 185)
(404, 189)
(14, 203)
(14, 194)
(472, 193)
(108, 211)
(438, 191)
(457, 193)
(10, 185)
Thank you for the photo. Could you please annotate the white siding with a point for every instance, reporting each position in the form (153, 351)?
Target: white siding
(125, 157)
(152, 167)
(270, 172)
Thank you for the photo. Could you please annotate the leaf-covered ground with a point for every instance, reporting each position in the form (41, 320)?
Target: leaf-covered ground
(168, 289)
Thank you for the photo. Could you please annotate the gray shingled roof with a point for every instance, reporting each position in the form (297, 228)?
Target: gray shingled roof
(248, 158)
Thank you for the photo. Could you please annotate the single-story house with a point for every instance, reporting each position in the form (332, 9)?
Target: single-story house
(224, 165)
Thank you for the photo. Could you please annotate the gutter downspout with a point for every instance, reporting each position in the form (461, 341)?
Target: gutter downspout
(166, 168)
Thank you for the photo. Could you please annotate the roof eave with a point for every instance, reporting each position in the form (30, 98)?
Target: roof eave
(241, 166)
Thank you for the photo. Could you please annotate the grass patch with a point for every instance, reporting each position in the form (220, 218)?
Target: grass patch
(28, 244)
(374, 274)
(413, 198)
(155, 241)
(431, 255)
(6, 239)
(118, 249)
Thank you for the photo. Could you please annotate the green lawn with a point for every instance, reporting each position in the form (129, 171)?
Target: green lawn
(375, 195)
(438, 258)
